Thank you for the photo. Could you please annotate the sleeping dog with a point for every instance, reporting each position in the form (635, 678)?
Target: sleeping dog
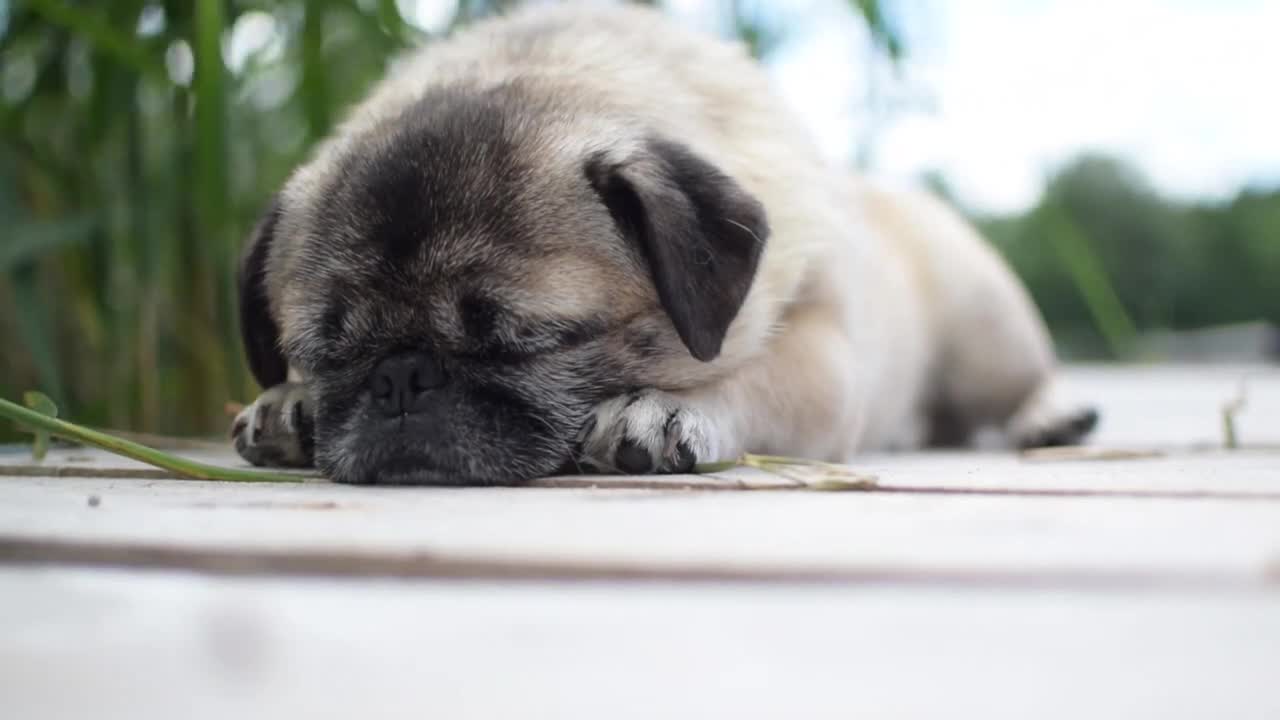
(585, 238)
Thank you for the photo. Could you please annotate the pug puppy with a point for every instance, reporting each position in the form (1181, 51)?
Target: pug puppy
(585, 238)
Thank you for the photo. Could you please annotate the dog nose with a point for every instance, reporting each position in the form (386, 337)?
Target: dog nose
(402, 382)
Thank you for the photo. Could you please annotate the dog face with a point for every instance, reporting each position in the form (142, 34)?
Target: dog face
(462, 283)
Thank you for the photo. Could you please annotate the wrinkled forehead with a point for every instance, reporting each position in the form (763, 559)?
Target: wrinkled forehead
(415, 198)
(446, 192)
(448, 216)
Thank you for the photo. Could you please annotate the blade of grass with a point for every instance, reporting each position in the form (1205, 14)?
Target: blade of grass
(807, 474)
(181, 466)
(213, 207)
(392, 22)
(29, 241)
(36, 328)
(883, 32)
(1090, 278)
(43, 405)
(314, 89)
(1230, 409)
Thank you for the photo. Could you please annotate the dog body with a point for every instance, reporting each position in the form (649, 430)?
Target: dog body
(583, 237)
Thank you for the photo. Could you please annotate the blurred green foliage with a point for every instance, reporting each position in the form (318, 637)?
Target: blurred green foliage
(1106, 257)
(141, 138)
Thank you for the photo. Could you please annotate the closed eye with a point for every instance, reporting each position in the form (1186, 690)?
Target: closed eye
(541, 338)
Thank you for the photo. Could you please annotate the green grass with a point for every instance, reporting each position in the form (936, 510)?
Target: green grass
(128, 185)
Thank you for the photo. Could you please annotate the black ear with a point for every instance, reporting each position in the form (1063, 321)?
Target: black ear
(700, 232)
(258, 330)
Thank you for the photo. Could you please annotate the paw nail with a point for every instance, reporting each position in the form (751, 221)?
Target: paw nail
(685, 459)
(295, 417)
(259, 419)
(1085, 422)
(632, 459)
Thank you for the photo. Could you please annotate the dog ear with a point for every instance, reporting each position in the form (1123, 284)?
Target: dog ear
(699, 231)
(258, 329)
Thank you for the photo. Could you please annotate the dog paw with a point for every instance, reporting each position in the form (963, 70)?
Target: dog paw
(648, 431)
(1067, 428)
(278, 429)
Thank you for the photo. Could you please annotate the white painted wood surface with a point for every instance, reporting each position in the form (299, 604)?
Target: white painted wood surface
(1235, 540)
(970, 585)
(106, 645)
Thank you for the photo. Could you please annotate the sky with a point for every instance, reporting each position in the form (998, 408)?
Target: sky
(997, 94)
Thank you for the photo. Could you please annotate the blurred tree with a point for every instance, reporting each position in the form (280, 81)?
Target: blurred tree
(1232, 274)
(1105, 257)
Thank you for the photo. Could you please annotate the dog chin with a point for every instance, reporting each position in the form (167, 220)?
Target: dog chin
(416, 469)
(412, 471)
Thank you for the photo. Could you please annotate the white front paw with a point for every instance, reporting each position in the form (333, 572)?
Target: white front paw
(648, 431)
(277, 429)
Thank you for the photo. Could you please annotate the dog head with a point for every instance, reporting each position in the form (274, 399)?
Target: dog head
(460, 283)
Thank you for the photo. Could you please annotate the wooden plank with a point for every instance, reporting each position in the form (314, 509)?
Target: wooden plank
(1177, 405)
(1237, 541)
(105, 645)
(1240, 474)
(418, 564)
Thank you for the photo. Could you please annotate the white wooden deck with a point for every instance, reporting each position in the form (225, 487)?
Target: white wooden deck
(966, 585)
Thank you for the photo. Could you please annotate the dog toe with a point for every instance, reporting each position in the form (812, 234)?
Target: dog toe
(645, 432)
(632, 459)
(1067, 429)
(277, 430)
